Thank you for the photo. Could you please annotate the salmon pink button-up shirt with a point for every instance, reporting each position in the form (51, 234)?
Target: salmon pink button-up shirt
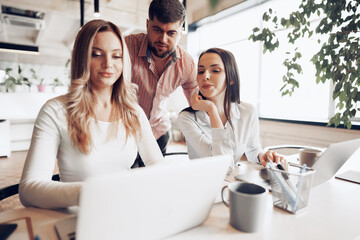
(154, 89)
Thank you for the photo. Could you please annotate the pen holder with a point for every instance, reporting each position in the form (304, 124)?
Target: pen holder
(290, 189)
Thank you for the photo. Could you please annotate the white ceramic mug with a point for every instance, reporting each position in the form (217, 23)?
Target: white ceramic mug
(247, 204)
(309, 156)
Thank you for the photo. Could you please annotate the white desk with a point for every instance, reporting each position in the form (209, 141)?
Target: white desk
(333, 212)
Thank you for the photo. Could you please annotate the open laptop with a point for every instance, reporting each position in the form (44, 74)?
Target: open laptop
(148, 203)
(330, 161)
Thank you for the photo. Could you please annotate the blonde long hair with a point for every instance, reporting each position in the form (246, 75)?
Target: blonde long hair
(80, 98)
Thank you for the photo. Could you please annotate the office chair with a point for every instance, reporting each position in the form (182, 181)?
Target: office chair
(138, 164)
(175, 153)
(12, 190)
(290, 147)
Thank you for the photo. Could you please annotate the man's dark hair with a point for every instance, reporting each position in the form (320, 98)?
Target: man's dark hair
(167, 11)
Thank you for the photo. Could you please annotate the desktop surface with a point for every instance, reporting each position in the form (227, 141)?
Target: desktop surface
(332, 213)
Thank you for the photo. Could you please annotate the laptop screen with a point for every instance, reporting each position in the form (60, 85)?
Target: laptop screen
(152, 202)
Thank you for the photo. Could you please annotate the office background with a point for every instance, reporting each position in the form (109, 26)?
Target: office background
(299, 119)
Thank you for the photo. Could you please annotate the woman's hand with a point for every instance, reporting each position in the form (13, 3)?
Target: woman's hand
(270, 156)
(198, 103)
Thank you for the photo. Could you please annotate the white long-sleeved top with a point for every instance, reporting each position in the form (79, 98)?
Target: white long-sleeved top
(204, 141)
(51, 141)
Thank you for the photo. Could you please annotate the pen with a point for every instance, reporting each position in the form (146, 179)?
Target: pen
(299, 186)
(288, 193)
(298, 165)
(286, 177)
(37, 237)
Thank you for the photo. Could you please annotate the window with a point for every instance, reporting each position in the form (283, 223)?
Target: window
(310, 101)
(261, 75)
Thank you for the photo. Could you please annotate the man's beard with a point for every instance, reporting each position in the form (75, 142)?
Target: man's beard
(157, 54)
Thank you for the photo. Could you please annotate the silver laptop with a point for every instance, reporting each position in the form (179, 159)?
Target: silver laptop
(150, 203)
(330, 161)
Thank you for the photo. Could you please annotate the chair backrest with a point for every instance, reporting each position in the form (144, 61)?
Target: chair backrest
(289, 149)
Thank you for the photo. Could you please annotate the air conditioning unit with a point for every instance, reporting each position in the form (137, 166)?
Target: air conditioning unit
(27, 22)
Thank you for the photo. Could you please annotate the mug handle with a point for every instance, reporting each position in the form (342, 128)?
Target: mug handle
(226, 202)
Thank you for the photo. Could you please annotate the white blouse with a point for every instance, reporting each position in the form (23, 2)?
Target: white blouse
(51, 142)
(242, 138)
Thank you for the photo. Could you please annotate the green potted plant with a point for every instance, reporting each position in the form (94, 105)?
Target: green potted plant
(9, 81)
(58, 86)
(338, 57)
(16, 84)
(23, 82)
(41, 86)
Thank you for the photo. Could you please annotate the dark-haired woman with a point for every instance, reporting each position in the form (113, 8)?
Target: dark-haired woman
(217, 122)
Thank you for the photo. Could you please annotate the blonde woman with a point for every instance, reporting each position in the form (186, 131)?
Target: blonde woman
(98, 127)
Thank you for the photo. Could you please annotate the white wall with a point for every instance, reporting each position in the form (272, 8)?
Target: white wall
(21, 110)
(48, 72)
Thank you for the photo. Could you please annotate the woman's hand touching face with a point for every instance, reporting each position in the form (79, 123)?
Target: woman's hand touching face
(198, 103)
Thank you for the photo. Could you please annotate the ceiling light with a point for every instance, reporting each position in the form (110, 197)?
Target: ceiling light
(17, 48)
(96, 8)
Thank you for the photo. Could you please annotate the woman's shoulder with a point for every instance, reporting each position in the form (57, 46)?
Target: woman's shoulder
(187, 112)
(55, 105)
(200, 117)
(139, 112)
(247, 106)
(138, 109)
(243, 108)
(56, 102)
